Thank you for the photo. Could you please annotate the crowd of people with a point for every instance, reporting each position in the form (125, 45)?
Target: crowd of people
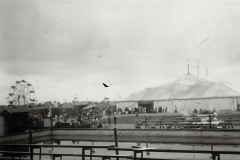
(141, 109)
(61, 118)
(161, 109)
(91, 118)
(35, 120)
(86, 115)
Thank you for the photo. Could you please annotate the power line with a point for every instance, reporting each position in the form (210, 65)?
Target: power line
(92, 55)
(201, 43)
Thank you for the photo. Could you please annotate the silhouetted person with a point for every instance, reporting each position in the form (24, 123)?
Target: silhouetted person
(74, 125)
(109, 120)
(160, 109)
(195, 112)
(115, 120)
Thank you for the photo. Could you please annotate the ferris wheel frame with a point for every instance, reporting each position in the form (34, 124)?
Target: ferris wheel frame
(21, 93)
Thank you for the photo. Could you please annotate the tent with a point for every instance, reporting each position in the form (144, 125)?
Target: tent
(189, 92)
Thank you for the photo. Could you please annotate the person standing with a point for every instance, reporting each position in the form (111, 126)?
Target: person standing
(115, 120)
(105, 125)
(56, 118)
(74, 125)
(96, 120)
(200, 111)
(80, 118)
(175, 109)
(78, 124)
(109, 120)
(195, 112)
(67, 116)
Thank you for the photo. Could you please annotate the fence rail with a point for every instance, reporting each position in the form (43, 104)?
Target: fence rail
(215, 154)
(181, 122)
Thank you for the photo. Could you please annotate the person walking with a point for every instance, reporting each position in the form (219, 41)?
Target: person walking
(115, 120)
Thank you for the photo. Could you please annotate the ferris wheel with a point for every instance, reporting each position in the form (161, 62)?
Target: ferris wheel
(21, 93)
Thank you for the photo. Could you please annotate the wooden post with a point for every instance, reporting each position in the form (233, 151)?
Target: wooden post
(51, 122)
(145, 122)
(160, 124)
(30, 136)
(210, 125)
(148, 153)
(116, 140)
(30, 141)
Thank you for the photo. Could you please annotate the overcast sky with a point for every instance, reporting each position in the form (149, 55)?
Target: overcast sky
(70, 47)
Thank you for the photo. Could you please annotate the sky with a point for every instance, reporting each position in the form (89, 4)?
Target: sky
(70, 47)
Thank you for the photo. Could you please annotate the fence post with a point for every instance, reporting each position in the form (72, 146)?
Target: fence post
(230, 123)
(160, 127)
(210, 121)
(30, 136)
(30, 141)
(145, 122)
(116, 140)
(51, 122)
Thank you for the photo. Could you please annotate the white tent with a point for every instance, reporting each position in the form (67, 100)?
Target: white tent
(190, 92)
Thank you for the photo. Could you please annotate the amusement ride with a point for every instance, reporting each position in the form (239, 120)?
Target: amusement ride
(21, 93)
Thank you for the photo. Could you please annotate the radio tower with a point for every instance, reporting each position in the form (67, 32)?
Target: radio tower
(75, 98)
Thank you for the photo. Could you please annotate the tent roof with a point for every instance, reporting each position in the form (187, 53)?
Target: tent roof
(187, 87)
(89, 106)
(82, 103)
(100, 105)
(66, 105)
(13, 109)
(41, 107)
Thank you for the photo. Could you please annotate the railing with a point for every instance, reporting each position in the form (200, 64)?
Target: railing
(177, 123)
(83, 147)
(38, 146)
(135, 151)
(215, 154)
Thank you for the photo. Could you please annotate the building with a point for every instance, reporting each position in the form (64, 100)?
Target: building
(187, 93)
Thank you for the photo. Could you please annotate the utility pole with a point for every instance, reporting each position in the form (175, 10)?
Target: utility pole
(188, 65)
